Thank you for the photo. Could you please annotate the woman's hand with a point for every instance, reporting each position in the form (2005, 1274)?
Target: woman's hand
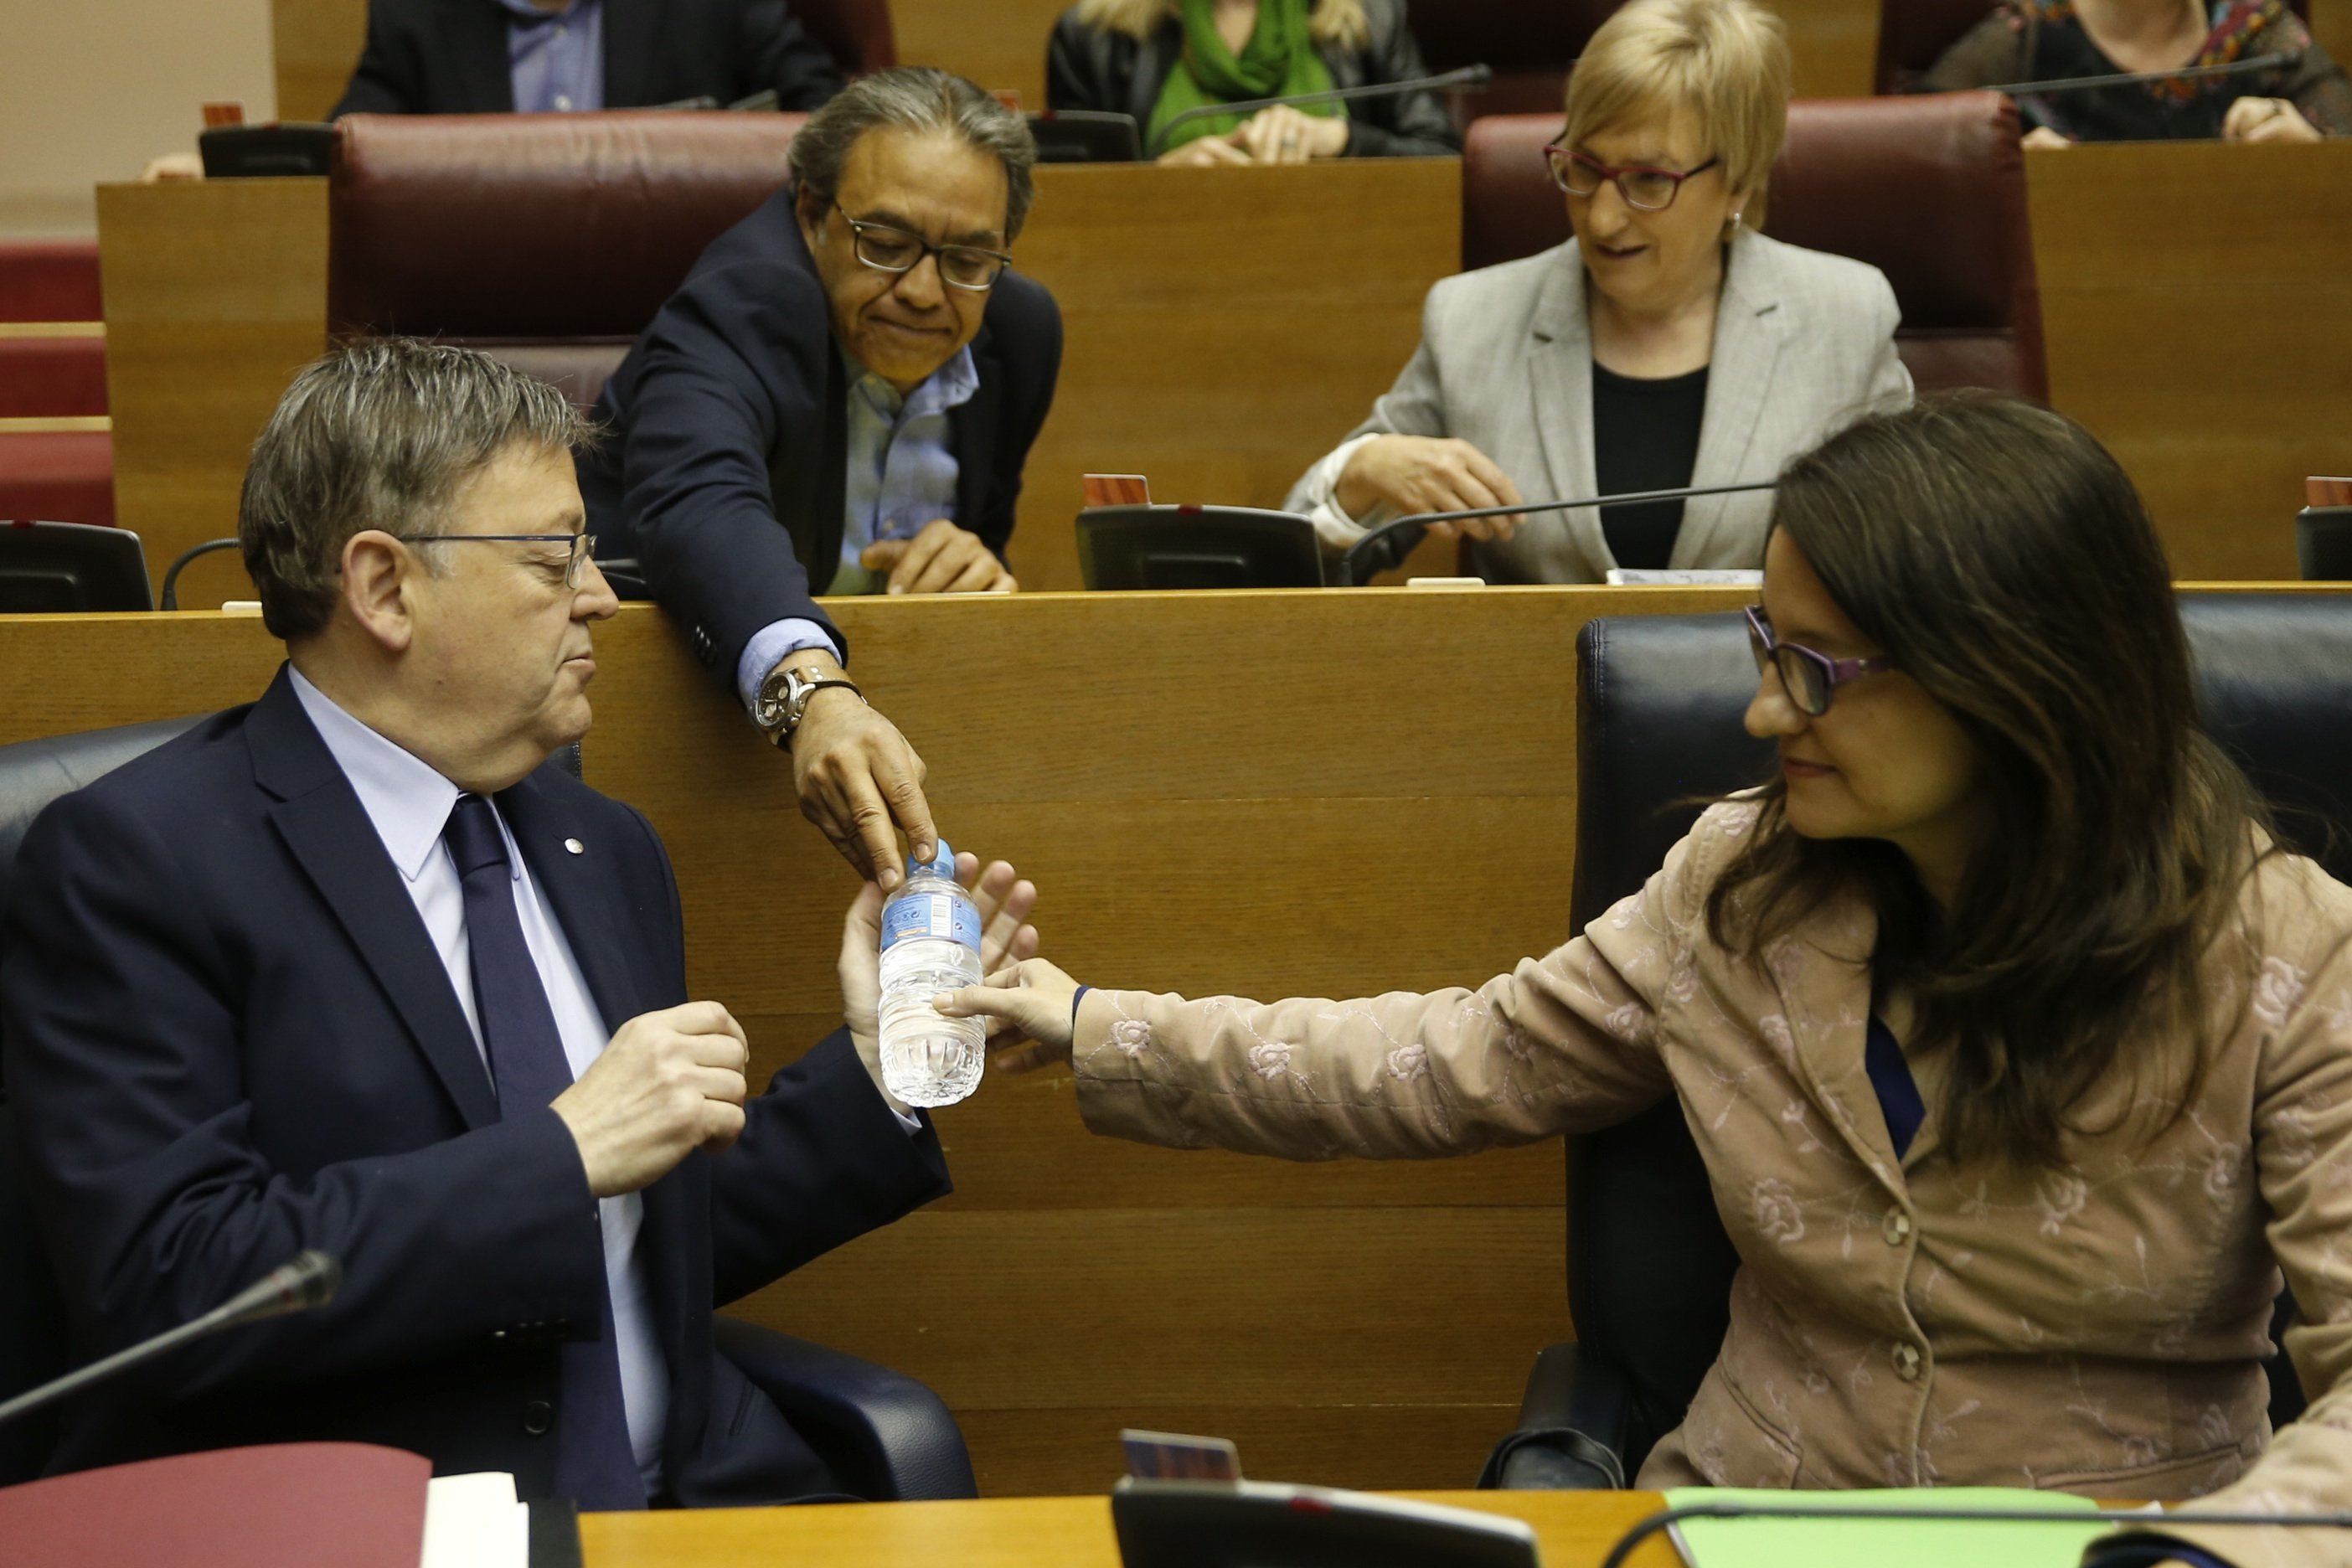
(2267, 120)
(1203, 154)
(1282, 134)
(1031, 1002)
(1422, 473)
(1005, 937)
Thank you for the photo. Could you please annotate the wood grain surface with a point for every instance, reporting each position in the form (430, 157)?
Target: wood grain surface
(2211, 349)
(215, 294)
(1573, 1530)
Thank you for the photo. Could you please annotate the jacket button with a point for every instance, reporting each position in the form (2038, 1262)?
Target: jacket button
(538, 1419)
(1906, 1363)
(1898, 1228)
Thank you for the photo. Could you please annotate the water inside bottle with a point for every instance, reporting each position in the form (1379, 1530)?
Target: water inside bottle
(928, 1059)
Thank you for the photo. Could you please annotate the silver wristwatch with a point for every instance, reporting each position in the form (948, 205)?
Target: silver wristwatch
(784, 698)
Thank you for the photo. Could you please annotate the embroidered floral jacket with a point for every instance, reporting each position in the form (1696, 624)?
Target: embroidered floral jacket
(2097, 1327)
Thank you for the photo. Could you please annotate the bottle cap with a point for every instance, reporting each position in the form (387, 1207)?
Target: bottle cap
(942, 864)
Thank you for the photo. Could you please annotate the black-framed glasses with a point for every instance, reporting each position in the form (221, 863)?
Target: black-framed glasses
(1812, 679)
(1644, 188)
(581, 547)
(888, 249)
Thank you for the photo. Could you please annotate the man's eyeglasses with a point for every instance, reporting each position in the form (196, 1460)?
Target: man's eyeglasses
(581, 547)
(1812, 679)
(1645, 189)
(887, 250)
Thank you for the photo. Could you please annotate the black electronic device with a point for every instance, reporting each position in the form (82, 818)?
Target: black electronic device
(1255, 1524)
(1085, 136)
(252, 152)
(51, 567)
(1148, 547)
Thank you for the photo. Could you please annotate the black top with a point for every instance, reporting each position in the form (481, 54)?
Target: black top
(1645, 437)
(1108, 72)
(449, 57)
(725, 467)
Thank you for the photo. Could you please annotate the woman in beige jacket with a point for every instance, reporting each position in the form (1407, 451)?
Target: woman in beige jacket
(2001, 873)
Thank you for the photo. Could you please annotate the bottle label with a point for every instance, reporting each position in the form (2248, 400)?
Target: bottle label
(928, 915)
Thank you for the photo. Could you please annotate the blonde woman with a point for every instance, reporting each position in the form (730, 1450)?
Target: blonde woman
(1155, 59)
(1668, 343)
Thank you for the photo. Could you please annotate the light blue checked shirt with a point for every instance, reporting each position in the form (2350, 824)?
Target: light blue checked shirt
(556, 57)
(902, 475)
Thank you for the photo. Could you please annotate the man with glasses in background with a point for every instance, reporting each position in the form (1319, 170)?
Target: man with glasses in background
(358, 967)
(839, 400)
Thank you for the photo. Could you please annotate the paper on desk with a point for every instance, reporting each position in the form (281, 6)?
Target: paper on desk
(1866, 1544)
(474, 1522)
(1692, 576)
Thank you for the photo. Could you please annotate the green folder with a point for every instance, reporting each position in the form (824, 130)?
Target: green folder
(1898, 1542)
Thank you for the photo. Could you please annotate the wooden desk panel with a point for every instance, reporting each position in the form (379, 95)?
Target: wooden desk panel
(1573, 1530)
(216, 295)
(1220, 333)
(2198, 311)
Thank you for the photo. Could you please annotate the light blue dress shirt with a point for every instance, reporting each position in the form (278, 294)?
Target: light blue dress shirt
(556, 57)
(409, 803)
(902, 475)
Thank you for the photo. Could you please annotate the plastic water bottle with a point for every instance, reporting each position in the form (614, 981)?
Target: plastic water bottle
(931, 943)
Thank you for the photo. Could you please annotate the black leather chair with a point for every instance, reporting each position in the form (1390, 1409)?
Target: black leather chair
(887, 1437)
(1659, 724)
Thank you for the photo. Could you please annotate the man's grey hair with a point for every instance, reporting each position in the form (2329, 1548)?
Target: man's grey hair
(917, 98)
(380, 433)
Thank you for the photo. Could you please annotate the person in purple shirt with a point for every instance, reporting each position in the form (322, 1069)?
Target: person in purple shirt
(491, 56)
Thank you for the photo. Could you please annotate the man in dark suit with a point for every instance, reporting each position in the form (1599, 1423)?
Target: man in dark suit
(839, 399)
(496, 56)
(350, 969)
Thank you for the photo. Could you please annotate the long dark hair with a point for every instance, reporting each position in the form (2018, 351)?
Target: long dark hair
(2004, 560)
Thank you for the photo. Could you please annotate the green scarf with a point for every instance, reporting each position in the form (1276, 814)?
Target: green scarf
(1278, 61)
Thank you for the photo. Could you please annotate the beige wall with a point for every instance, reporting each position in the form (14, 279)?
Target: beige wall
(90, 89)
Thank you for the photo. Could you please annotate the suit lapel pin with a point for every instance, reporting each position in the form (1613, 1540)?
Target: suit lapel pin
(575, 846)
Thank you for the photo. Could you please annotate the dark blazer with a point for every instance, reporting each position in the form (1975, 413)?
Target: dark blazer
(1087, 67)
(227, 1036)
(449, 57)
(727, 417)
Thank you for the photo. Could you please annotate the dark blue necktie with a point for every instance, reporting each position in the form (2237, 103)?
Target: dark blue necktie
(594, 1462)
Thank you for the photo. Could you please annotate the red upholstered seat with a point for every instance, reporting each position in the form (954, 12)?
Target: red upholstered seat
(1530, 45)
(1930, 189)
(548, 240)
(52, 376)
(49, 280)
(57, 478)
(1914, 34)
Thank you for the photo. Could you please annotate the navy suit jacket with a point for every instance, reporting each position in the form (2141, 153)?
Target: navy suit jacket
(449, 57)
(728, 417)
(227, 1036)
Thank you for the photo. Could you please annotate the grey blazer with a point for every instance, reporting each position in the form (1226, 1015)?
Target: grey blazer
(1803, 342)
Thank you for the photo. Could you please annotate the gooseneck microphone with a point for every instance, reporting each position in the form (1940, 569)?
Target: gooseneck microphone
(2285, 60)
(1469, 78)
(1667, 1518)
(1376, 553)
(307, 1279)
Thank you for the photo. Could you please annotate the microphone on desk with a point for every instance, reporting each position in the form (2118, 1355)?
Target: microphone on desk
(1667, 1518)
(1390, 544)
(1469, 78)
(307, 1279)
(2285, 60)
